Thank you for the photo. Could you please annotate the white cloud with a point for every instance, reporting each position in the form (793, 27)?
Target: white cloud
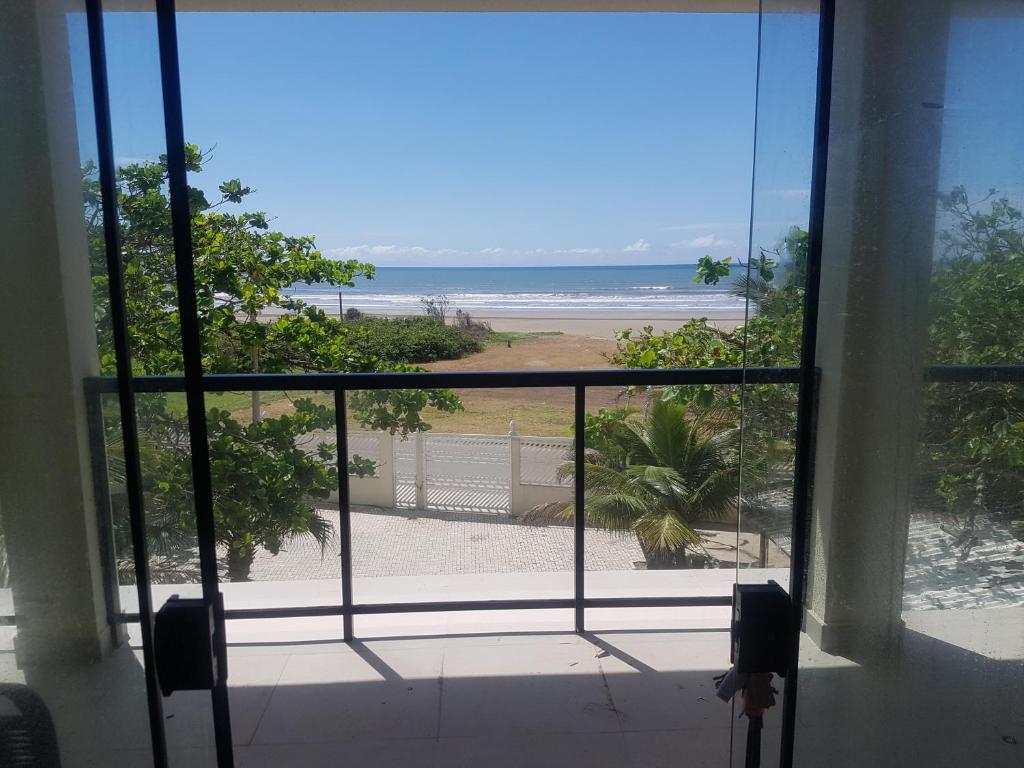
(706, 241)
(394, 255)
(640, 246)
(370, 251)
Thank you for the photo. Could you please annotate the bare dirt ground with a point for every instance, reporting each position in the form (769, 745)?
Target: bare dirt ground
(547, 411)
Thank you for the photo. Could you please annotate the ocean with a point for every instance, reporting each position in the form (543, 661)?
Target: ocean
(607, 291)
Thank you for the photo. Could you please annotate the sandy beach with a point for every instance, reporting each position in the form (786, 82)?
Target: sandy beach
(590, 326)
(600, 327)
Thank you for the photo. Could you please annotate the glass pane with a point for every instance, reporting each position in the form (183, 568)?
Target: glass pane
(775, 277)
(913, 628)
(154, 338)
(773, 283)
(471, 507)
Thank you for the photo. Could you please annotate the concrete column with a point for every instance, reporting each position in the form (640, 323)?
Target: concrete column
(47, 347)
(883, 166)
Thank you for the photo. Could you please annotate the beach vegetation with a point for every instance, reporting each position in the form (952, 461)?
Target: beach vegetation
(479, 330)
(415, 339)
(437, 307)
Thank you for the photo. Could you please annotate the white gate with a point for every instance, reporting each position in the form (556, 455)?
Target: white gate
(467, 473)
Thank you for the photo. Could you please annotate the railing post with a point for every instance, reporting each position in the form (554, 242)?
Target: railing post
(515, 444)
(579, 519)
(421, 471)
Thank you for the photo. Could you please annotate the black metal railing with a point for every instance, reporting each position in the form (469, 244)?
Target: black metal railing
(341, 383)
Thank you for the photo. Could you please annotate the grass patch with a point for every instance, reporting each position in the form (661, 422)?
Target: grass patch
(485, 412)
(228, 401)
(490, 413)
(504, 337)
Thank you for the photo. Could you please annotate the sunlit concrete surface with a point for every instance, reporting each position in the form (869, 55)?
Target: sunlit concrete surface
(519, 688)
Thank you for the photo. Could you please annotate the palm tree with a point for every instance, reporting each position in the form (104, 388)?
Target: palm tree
(657, 476)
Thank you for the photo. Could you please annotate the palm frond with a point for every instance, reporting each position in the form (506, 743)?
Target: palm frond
(320, 529)
(663, 531)
(753, 287)
(616, 511)
(680, 467)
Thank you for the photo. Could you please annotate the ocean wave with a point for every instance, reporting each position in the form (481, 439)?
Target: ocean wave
(481, 303)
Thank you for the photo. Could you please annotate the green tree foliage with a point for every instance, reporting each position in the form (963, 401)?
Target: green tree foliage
(774, 284)
(264, 484)
(974, 433)
(657, 475)
(770, 338)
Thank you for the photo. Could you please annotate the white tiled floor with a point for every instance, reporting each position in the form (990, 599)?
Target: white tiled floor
(516, 689)
(497, 700)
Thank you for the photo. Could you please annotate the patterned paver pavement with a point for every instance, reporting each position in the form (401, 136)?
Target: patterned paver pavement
(410, 543)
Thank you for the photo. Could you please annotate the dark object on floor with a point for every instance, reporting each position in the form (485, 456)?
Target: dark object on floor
(27, 736)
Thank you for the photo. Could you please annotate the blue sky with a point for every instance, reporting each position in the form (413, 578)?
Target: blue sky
(475, 139)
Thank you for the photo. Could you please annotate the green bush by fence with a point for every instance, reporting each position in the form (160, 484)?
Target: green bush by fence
(418, 339)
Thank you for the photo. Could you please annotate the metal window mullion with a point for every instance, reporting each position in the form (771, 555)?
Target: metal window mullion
(807, 400)
(191, 347)
(579, 518)
(125, 380)
(344, 514)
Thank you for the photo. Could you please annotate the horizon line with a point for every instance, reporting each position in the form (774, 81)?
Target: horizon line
(537, 266)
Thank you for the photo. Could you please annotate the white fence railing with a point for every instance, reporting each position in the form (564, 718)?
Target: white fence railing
(509, 473)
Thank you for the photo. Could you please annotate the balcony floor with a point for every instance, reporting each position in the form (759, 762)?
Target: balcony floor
(517, 688)
(532, 699)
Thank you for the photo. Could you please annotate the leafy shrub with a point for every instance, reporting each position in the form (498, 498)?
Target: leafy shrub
(410, 339)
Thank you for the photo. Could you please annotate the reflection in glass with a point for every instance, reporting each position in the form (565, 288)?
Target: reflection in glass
(913, 622)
